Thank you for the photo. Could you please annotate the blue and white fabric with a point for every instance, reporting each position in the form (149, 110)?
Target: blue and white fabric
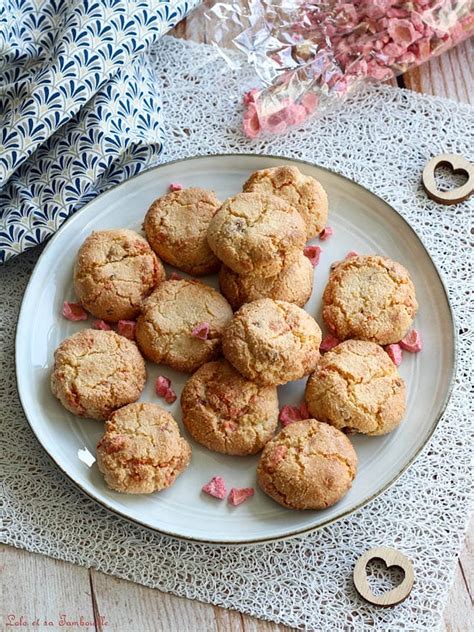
(79, 106)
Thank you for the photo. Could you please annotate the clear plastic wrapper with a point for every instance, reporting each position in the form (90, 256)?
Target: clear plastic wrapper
(309, 55)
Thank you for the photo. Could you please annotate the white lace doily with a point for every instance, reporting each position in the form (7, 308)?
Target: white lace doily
(382, 139)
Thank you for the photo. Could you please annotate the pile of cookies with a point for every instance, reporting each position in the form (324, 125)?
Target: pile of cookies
(239, 345)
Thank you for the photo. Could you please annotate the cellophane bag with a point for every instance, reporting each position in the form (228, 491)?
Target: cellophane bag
(309, 55)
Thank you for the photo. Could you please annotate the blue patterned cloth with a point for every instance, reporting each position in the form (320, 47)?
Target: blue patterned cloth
(79, 106)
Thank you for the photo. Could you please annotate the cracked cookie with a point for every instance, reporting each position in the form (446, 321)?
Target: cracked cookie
(369, 298)
(304, 193)
(294, 284)
(95, 372)
(227, 413)
(114, 271)
(142, 451)
(176, 227)
(272, 342)
(308, 465)
(169, 327)
(255, 233)
(357, 388)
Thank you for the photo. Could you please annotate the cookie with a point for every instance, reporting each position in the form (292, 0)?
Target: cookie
(141, 451)
(369, 298)
(181, 324)
(255, 233)
(272, 342)
(308, 465)
(176, 227)
(114, 271)
(303, 192)
(294, 284)
(227, 413)
(357, 388)
(95, 372)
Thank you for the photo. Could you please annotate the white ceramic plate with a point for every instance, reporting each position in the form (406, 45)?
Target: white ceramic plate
(361, 222)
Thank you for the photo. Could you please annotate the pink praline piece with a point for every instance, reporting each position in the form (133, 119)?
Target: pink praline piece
(101, 324)
(201, 331)
(326, 233)
(395, 353)
(313, 253)
(127, 328)
(239, 495)
(74, 311)
(351, 253)
(216, 488)
(164, 389)
(174, 276)
(170, 396)
(249, 96)
(328, 342)
(290, 414)
(162, 384)
(412, 342)
(251, 122)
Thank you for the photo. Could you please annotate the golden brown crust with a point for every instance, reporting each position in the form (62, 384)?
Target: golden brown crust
(254, 233)
(115, 271)
(303, 192)
(95, 372)
(176, 227)
(169, 315)
(369, 298)
(308, 465)
(357, 388)
(227, 413)
(272, 342)
(141, 451)
(294, 284)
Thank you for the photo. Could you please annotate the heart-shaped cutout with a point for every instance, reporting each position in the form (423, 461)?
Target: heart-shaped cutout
(458, 164)
(391, 558)
(382, 578)
(449, 180)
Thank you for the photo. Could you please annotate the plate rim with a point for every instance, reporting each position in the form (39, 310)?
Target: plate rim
(295, 533)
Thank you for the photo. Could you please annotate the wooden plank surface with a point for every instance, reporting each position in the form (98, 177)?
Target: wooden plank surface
(449, 75)
(164, 612)
(38, 586)
(459, 615)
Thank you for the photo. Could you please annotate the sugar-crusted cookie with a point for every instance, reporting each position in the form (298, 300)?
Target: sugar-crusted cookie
(95, 372)
(181, 324)
(176, 227)
(303, 192)
(357, 388)
(369, 298)
(114, 271)
(308, 465)
(293, 284)
(272, 342)
(255, 233)
(226, 412)
(141, 451)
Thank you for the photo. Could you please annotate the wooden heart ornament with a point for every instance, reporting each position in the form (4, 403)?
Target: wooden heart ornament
(391, 557)
(459, 165)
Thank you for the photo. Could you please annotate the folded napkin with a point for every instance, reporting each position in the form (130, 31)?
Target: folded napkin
(79, 107)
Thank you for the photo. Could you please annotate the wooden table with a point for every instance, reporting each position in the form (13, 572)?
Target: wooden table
(38, 586)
